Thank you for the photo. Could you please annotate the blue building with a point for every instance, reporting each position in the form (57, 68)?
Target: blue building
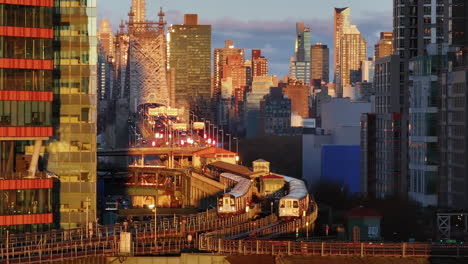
(341, 165)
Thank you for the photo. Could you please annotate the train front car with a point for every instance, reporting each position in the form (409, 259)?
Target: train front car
(296, 203)
(235, 201)
(226, 205)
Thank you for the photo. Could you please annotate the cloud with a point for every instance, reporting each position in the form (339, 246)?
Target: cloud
(276, 37)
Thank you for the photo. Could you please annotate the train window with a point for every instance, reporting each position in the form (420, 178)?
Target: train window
(295, 204)
(282, 204)
(220, 202)
(288, 205)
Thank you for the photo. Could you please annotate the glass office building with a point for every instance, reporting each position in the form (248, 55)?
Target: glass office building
(72, 149)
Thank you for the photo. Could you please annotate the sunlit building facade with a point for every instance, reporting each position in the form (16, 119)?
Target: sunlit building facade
(320, 65)
(341, 22)
(353, 50)
(26, 63)
(72, 149)
(219, 59)
(259, 63)
(189, 53)
(299, 65)
(384, 47)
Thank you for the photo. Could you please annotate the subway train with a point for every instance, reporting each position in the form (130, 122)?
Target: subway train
(235, 201)
(296, 203)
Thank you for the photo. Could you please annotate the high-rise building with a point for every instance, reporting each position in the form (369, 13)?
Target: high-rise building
(189, 53)
(106, 58)
(259, 63)
(341, 21)
(423, 146)
(416, 24)
(320, 64)
(386, 180)
(299, 65)
(384, 47)
(26, 85)
(72, 150)
(298, 93)
(353, 50)
(220, 57)
(367, 70)
(107, 39)
(453, 146)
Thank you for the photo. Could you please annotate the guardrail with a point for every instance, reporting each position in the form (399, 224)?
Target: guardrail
(291, 248)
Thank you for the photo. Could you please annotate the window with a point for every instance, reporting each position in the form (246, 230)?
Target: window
(296, 204)
(85, 114)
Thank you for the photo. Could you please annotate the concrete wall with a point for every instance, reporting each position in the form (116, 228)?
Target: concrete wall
(342, 112)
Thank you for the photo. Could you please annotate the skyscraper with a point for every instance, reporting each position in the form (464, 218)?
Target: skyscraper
(259, 63)
(25, 115)
(384, 47)
(107, 39)
(416, 24)
(106, 54)
(299, 66)
(72, 150)
(319, 59)
(341, 21)
(353, 50)
(220, 59)
(189, 53)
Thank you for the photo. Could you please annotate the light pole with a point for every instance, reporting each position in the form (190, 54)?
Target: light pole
(237, 145)
(87, 216)
(154, 208)
(212, 132)
(307, 230)
(271, 205)
(229, 135)
(222, 137)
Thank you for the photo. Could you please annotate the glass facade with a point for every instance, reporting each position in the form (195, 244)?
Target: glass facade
(26, 16)
(72, 150)
(25, 113)
(19, 202)
(25, 80)
(423, 116)
(26, 48)
(189, 52)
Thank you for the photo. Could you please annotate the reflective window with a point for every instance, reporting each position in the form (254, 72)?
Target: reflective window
(26, 48)
(25, 80)
(17, 202)
(25, 113)
(26, 16)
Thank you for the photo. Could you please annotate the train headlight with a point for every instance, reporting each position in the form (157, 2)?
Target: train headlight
(221, 208)
(232, 208)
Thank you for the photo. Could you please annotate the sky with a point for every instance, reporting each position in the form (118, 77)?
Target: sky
(268, 25)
